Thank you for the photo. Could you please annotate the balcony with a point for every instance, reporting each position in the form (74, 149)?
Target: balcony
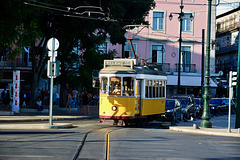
(227, 28)
(165, 66)
(19, 62)
(189, 68)
(227, 49)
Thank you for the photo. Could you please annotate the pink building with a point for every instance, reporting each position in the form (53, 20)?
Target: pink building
(159, 43)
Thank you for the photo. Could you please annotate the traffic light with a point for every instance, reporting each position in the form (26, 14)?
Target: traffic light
(232, 79)
(53, 69)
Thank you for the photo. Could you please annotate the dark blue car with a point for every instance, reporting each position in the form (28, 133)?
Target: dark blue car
(173, 110)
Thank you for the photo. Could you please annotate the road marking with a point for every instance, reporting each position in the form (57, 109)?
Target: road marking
(27, 156)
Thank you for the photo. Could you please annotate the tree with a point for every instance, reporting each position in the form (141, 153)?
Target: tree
(77, 26)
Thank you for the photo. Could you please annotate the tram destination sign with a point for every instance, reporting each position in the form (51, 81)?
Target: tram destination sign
(126, 63)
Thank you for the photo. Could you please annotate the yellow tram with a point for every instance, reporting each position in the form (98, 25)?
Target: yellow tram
(130, 91)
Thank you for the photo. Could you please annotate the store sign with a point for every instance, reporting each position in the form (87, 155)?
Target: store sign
(16, 87)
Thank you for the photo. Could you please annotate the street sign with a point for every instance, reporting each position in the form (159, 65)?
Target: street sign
(53, 44)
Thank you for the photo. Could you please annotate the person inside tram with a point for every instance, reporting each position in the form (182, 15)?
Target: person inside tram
(117, 90)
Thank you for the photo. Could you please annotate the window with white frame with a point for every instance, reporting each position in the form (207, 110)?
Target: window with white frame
(158, 20)
(103, 48)
(128, 51)
(187, 23)
(157, 53)
(186, 55)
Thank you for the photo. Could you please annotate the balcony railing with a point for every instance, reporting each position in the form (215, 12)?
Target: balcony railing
(190, 68)
(19, 62)
(227, 49)
(227, 28)
(164, 66)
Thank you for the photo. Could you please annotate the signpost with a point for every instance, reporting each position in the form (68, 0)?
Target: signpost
(53, 45)
(232, 83)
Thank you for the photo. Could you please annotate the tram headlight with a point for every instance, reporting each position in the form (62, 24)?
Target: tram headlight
(114, 108)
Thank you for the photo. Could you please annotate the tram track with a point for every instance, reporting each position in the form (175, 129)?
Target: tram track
(107, 142)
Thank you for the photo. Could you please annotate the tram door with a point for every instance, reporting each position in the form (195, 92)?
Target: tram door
(138, 97)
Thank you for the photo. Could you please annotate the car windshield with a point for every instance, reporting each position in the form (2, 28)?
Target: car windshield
(170, 104)
(215, 101)
(182, 100)
(197, 101)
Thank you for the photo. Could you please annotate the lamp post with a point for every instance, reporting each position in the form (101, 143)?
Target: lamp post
(180, 18)
(206, 113)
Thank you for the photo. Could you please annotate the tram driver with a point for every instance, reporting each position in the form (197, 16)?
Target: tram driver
(117, 90)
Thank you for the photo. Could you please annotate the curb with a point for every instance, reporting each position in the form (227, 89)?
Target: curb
(37, 126)
(201, 131)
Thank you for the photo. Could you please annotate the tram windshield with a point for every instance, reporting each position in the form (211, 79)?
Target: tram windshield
(104, 85)
(115, 85)
(128, 83)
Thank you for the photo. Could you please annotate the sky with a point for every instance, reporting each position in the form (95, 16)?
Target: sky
(227, 5)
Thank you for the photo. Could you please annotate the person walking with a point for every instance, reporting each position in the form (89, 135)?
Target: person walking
(86, 103)
(69, 102)
(80, 98)
(39, 105)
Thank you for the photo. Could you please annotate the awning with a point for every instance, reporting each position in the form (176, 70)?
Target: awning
(187, 81)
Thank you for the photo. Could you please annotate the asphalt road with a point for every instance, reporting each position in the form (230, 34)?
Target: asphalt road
(149, 142)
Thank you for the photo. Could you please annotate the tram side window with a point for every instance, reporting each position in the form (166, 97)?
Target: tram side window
(150, 88)
(154, 89)
(104, 85)
(163, 89)
(115, 85)
(146, 89)
(128, 86)
(157, 88)
(160, 88)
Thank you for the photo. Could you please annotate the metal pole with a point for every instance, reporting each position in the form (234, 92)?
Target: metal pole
(206, 113)
(230, 99)
(180, 48)
(237, 120)
(202, 80)
(51, 87)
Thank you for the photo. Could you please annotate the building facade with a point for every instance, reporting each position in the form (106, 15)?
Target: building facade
(227, 41)
(159, 43)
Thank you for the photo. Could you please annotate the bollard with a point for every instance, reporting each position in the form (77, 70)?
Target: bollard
(239, 130)
(195, 126)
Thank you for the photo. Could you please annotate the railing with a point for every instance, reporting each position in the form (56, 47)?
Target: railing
(191, 68)
(226, 49)
(227, 28)
(226, 67)
(164, 66)
(19, 62)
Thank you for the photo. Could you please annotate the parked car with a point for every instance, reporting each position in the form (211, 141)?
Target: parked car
(188, 105)
(221, 106)
(199, 106)
(173, 110)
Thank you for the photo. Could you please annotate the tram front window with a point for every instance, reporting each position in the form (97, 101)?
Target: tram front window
(128, 85)
(104, 85)
(115, 86)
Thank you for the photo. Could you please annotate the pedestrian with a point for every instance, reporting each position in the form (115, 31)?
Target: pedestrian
(86, 103)
(45, 98)
(57, 98)
(39, 105)
(75, 93)
(69, 102)
(80, 98)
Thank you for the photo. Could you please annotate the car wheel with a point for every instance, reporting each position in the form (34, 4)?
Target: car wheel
(181, 116)
(194, 114)
(188, 115)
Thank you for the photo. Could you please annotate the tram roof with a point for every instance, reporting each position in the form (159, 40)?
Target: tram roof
(136, 69)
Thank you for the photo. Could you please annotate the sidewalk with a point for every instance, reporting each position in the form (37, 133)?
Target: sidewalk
(36, 120)
(219, 127)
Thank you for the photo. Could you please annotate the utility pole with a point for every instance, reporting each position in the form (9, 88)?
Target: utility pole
(237, 120)
(206, 111)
